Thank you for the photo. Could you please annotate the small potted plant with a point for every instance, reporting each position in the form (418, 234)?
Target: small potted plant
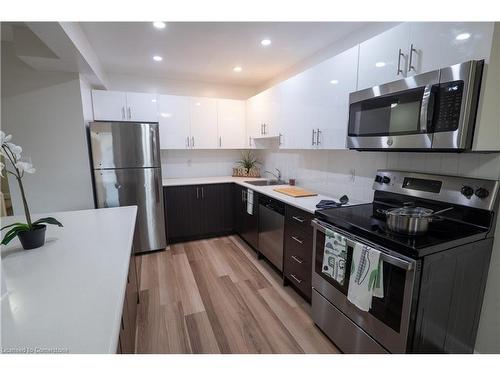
(248, 165)
(32, 233)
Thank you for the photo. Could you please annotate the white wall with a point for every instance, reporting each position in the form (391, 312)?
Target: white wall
(43, 111)
(331, 173)
(198, 163)
(160, 85)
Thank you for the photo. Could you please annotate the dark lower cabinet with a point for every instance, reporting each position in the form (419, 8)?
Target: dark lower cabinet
(298, 244)
(129, 312)
(246, 225)
(198, 211)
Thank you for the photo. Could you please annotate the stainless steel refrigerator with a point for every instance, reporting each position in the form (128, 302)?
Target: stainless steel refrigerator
(127, 171)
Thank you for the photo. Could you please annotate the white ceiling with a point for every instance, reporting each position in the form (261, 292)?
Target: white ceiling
(208, 51)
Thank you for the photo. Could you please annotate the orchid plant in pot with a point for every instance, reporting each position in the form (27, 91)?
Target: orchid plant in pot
(32, 233)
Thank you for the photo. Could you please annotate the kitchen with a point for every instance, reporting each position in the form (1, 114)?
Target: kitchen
(283, 195)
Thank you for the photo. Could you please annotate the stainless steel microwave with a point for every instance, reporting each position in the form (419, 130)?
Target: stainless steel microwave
(434, 111)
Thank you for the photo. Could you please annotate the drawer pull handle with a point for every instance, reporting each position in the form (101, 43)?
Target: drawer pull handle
(299, 219)
(298, 260)
(295, 278)
(298, 240)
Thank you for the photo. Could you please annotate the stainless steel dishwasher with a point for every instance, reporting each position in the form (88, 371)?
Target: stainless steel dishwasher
(271, 228)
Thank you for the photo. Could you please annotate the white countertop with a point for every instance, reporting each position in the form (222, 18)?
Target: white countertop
(304, 203)
(68, 295)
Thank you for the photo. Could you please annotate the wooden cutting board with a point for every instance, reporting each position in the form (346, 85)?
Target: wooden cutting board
(295, 192)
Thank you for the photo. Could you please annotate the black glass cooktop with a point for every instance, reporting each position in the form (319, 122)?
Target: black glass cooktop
(364, 221)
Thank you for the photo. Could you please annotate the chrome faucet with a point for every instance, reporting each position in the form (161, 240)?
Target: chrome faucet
(278, 177)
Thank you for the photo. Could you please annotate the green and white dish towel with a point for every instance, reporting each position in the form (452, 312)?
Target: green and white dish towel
(365, 281)
(335, 256)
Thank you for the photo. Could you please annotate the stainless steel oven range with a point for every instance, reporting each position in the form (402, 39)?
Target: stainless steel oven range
(433, 283)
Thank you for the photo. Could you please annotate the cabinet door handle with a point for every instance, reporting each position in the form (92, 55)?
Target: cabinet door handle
(295, 278)
(202, 193)
(298, 260)
(280, 142)
(187, 142)
(314, 137)
(400, 71)
(249, 141)
(299, 219)
(265, 130)
(318, 132)
(410, 62)
(123, 113)
(192, 142)
(129, 113)
(297, 240)
(220, 141)
(197, 193)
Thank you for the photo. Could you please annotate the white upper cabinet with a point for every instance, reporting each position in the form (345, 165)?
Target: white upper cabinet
(173, 115)
(313, 105)
(142, 107)
(121, 106)
(435, 45)
(231, 124)
(384, 57)
(109, 105)
(298, 116)
(334, 80)
(203, 121)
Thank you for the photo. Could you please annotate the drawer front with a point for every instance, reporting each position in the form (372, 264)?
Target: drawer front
(298, 246)
(298, 220)
(299, 275)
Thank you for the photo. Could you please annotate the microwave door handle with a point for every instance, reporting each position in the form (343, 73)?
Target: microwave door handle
(427, 109)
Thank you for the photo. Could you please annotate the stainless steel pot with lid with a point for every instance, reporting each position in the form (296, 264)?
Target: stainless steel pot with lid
(410, 220)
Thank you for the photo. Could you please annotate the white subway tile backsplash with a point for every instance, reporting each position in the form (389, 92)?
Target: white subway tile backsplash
(331, 172)
(449, 164)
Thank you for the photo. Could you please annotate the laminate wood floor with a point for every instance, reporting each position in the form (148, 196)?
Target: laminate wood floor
(214, 296)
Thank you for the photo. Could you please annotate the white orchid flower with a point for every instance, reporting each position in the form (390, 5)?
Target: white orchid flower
(4, 138)
(15, 149)
(25, 167)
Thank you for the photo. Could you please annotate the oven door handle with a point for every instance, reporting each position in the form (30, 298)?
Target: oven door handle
(395, 261)
(427, 109)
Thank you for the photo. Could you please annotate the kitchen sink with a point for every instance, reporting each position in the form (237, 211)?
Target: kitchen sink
(266, 182)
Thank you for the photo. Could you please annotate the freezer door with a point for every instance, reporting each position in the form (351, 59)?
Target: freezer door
(141, 187)
(124, 145)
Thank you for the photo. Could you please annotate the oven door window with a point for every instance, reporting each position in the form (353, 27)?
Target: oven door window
(318, 264)
(395, 114)
(389, 309)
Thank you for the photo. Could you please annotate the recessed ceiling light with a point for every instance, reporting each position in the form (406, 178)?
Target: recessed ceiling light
(159, 24)
(380, 64)
(334, 81)
(197, 104)
(157, 58)
(265, 42)
(237, 69)
(153, 100)
(166, 115)
(462, 36)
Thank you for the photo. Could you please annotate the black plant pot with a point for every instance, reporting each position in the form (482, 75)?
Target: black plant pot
(31, 239)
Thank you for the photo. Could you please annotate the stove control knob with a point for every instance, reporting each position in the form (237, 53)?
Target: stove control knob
(467, 191)
(386, 180)
(482, 193)
(378, 178)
